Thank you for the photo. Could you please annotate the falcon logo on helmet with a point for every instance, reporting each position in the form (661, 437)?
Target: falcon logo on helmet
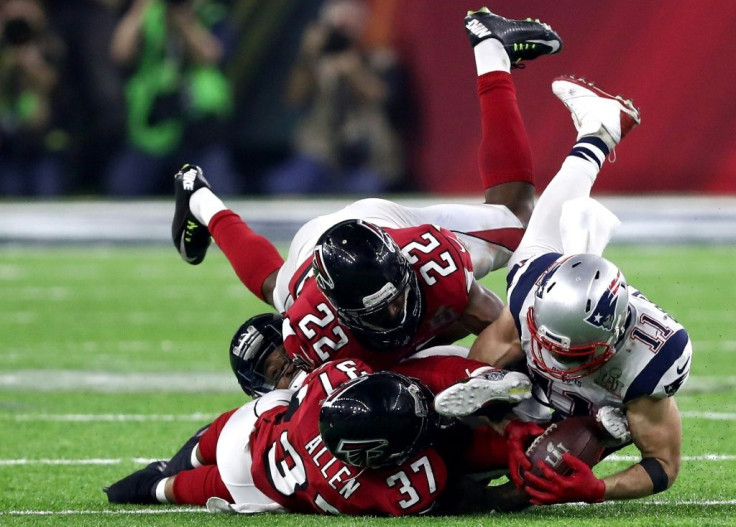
(362, 453)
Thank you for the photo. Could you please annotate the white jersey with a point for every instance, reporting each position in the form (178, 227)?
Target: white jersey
(490, 233)
(652, 359)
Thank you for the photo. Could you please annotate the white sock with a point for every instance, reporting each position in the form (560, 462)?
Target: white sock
(204, 205)
(194, 459)
(490, 56)
(160, 491)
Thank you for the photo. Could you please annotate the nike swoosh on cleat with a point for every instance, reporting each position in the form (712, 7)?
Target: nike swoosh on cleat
(550, 43)
(183, 252)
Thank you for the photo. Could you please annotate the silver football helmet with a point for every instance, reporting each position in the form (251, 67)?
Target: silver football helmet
(579, 313)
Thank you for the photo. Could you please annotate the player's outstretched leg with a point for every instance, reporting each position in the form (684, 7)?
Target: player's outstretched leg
(139, 487)
(191, 238)
(602, 120)
(504, 155)
(470, 395)
(200, 213)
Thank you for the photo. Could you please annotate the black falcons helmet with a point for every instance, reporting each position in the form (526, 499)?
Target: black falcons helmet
(377, 420)
(252, 345)
(371, 284)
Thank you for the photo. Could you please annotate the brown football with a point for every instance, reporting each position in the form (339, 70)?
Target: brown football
(576, 435)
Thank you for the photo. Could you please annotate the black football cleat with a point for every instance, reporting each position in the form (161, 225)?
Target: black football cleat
(139, 487)
(522, 39)
(191, 238)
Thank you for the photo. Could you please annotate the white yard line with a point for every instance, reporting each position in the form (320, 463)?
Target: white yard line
(106, 513)
(106, 382)
(702, 457)
(712, 416)
(676, 503)
(185, 510)
(109, 417)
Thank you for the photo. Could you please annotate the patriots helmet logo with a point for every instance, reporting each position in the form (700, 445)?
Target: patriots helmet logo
(362, 453)
(604, 312)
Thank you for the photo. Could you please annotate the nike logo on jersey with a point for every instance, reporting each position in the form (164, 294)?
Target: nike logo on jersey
(680, 370)
(478, 29)
(549, 43)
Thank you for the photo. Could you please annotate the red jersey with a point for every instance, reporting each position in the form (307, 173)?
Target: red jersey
(292, 466)
(313, 334)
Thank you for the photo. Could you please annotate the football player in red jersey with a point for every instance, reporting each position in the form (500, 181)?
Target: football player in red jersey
(309, 450)
(476, 239)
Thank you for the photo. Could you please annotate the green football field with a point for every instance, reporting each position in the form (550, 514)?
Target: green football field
(113, 356)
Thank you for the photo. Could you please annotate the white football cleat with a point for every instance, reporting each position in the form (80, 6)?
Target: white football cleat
(469, 395)
(614, 423)
(596, 112)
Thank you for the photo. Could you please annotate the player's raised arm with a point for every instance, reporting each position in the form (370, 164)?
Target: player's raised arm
(499, 343)
(484, 306)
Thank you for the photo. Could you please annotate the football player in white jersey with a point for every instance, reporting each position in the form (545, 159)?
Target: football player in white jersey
(593, 344)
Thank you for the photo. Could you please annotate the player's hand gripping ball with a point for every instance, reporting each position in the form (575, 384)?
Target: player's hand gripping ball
(561, 459)
(579, 436)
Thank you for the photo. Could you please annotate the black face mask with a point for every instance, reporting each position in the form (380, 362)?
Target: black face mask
(390, 339)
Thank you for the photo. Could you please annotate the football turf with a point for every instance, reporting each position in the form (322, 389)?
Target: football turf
(113, 356)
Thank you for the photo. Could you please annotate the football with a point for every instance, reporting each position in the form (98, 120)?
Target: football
(577, 435)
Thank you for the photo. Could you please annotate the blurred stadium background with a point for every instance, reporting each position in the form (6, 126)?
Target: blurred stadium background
(680, 164)
(670, 57)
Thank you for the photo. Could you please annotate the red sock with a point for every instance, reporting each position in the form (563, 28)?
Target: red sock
(504, 154)
(194, 487)
(252, 256)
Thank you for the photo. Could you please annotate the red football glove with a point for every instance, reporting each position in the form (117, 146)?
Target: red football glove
(519, 435)
(581, 485)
